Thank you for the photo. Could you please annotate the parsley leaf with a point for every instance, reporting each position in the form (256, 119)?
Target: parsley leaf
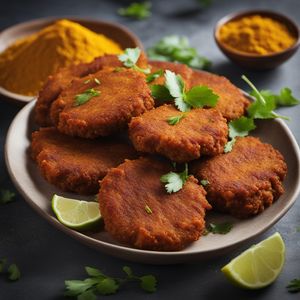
(204, 182)
(175, 119)
(294, 286)
(154, 75)
(85, 96)
(199, 96)
(107, 286)
(6, 196)
(177, 48)
(14, 272)
(148, 283)
(137, 11)
(130, 57)
(87, 295)
(175, 181)
(285, 97)
(160, 93)
(221, 228)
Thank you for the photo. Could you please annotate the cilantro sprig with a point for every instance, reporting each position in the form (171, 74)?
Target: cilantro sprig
(177, 48)
(175, 119)
(12, 270)
(175, 181)
(220, 228)
(154, 75)
(6, 196)
(129, 59)
(137, 11)
(174, 88)
(86, 96)
(102, 284)
(294, 286)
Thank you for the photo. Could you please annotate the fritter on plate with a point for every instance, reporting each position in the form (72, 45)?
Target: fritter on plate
(138, 211)
(75, 164)
(60, 80)
(198, 132)
(244, 181)
(120, 96)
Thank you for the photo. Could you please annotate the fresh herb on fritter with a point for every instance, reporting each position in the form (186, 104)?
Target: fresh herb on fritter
(130, 57)
(175, 119)
(178, 49)
(175, 181)
(85, 96)
(204, 182)
(154, 75)
(99, 283)
(6, 196)
(137, 11)
(148, 210)
(221, 228)
(12, 270)
(294, 286)
(197, 96)
(97, 81)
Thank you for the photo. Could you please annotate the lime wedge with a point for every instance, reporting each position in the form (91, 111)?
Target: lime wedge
(258, 266)
(74, 213)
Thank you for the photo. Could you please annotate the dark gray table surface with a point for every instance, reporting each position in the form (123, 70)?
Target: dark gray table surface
(47, 256)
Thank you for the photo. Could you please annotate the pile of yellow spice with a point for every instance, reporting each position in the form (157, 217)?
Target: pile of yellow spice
(26, 64)
(256, 34)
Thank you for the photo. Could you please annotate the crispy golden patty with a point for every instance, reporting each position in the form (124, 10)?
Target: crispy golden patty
(199, 132)
(244, 181)
(128, 191)
(121, 96)
(75, 164)
(61, 79)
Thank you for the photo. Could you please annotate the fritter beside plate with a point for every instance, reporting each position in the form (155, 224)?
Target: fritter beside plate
(244, 181)
(199, 132)
(138, 211)
(75, 164)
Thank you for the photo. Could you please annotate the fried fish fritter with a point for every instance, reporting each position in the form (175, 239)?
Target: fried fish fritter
(122, 95)
(200, 131)
(138, 211)
(60, 80)
(75, 164)
(245, 181)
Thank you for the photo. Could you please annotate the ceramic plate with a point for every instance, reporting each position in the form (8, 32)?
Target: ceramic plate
(38, 193)
(115, 31)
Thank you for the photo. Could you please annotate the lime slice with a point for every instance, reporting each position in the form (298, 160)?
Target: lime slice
(258, 266)
(74, 213)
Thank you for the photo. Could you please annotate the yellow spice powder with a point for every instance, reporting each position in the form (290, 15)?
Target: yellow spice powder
(256, 34)
(25, 65)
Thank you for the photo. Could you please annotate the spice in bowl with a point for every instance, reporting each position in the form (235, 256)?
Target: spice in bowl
(257, 35)
(27, 63)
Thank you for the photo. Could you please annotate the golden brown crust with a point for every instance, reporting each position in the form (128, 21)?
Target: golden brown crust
(232, 103)
(201, 131)
(123, 94)
(61, 79)
(176, 220)
(75, 164)
(245, 181)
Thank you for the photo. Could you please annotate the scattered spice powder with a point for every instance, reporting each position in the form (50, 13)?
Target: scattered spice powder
(26, 64)
(256, 34)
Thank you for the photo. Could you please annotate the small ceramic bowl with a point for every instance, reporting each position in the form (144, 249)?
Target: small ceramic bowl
(117, 32)
(257, 61)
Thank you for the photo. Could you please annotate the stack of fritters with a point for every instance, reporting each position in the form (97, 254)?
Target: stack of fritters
(91, 142)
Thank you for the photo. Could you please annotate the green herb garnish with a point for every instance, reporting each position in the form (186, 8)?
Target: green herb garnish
(6, 196)
(148, 210)
(177, 48)
(175, 119)
(12, 270)
(99, 283)
(85, 96)
(196, 97)
(204, 182)
(175, 181)
(130, 57)
(294, 286)
(221, 228)
(154, 75)
(137, 11)
(97, 81)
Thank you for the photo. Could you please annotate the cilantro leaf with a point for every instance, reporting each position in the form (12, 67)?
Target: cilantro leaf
(128, 271)
(175, 181)
(148, 283)
(294, 286)
(93, 272)
(175, 119)
(204, 182)
(87, 295)
(177, 48)
(14, 272)
(221, 228)
(137, 11)
(107, 286)
(6, 196)
(154, 75)
(85, 96)
(285, 97)
(199, 96)
(77, 287)
(160, 93)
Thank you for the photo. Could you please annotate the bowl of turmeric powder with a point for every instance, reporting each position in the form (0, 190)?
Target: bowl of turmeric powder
(32, 51)
(257, 39)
